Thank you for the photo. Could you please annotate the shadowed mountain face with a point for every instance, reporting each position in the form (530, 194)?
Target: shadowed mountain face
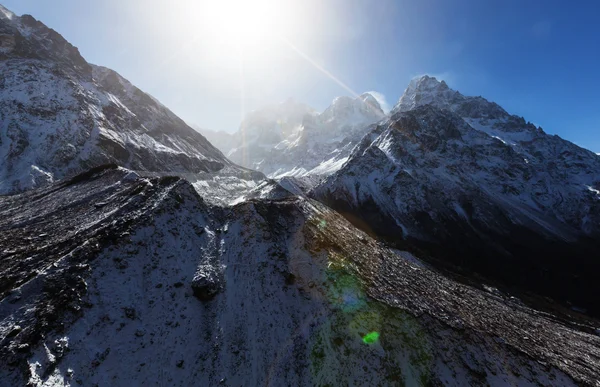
(110, 278)
(60, 115)
(477, 188)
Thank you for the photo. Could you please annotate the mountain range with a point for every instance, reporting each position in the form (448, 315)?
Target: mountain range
(292, 139)
(445, 243)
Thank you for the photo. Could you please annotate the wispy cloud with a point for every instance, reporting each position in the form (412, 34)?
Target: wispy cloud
(385, 106)
(541, 29)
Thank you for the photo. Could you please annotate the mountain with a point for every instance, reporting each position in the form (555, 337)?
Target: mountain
(291, 139)
(60, 115)
(261, 129)
(222, 140)
(460, 179)
(112, 279)
(132, 252)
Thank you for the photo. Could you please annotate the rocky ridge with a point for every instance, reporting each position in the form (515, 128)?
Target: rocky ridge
(158, 286)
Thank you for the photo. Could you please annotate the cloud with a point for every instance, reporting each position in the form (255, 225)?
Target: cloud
(541, 29)
(385, 106)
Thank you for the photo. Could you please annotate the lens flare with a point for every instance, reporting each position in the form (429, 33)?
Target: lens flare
(371, 337)
(322, 224)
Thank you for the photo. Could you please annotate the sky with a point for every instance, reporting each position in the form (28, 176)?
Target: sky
(213, 61)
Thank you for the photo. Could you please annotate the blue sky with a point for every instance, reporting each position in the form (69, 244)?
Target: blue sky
(537, 59)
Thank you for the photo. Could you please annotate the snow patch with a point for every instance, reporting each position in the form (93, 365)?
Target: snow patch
(6, 13)
(592, 189)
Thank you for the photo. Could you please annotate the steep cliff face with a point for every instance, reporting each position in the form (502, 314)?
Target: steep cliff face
(60, 115)
(120, 278)
(474, 186)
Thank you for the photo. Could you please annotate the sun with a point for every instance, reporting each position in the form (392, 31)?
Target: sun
(243, 25)
(244, 22)
(243, 45)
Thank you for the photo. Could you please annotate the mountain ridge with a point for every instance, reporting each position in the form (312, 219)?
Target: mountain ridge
(292, 139)
(463, 179)
(154, 269)
(62, 115)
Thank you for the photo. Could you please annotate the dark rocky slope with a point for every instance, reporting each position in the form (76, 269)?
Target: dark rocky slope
(114, 279)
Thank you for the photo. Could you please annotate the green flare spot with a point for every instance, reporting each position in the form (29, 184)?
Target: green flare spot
(371, 337)
(322, 224)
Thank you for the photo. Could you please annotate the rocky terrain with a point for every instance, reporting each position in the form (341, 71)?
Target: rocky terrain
(120, 278)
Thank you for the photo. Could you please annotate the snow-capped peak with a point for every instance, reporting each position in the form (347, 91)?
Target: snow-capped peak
(424, 90)
(368, 98)
(372, 102)
(61, 115)
(292, 139)
(426, 83)
(353, 109)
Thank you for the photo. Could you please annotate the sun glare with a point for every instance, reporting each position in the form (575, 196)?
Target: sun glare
(244, 25)
(243, 22)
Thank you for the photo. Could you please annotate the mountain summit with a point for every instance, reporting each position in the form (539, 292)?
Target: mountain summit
(477, 187)
(423, 90)
(426, 90)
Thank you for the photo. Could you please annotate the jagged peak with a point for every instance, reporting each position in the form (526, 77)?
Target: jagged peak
(346, 106)
(343, 99)
(428, 90)
(364, 100)
(426, 83)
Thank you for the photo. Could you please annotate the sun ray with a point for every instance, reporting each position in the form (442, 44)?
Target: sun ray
(242, 102)
(319, 67)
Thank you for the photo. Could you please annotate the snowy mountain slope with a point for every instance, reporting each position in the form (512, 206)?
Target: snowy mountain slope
(263, 129)
(60, 115)
(291, 139)
(478, 188)
(122, 280)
